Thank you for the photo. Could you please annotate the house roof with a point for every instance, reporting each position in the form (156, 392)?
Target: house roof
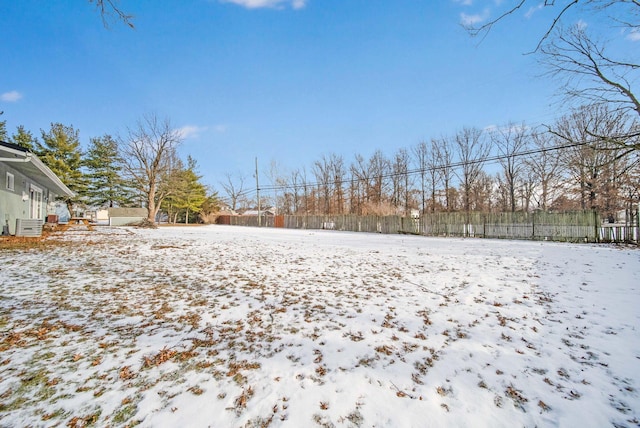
(27, 163)
(256, 212)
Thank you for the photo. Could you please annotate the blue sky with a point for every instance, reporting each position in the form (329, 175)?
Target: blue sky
(286, 81)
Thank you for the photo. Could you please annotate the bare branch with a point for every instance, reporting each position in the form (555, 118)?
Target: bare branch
(108, 8)
(553, 25)
(485, 28)
(576, 58)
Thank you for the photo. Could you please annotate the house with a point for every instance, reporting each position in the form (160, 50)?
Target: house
(262, 213)
(28, 188)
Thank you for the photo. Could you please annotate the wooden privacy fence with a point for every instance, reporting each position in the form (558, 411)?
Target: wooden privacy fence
(569, 227)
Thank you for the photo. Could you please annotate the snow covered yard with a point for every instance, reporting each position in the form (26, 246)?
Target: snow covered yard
(228, 327)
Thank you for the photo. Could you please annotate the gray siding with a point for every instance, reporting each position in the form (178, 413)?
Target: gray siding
(12, 205)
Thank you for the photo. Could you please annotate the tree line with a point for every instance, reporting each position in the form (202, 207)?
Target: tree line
(575, 164)
(140, 169)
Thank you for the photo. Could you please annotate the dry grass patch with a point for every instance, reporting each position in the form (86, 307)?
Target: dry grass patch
(163, 356)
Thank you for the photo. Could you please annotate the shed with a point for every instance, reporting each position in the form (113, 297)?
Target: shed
(27, 191)
(125, 216)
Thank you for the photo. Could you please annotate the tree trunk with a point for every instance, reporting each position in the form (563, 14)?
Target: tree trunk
(151, 205)
(69, 204)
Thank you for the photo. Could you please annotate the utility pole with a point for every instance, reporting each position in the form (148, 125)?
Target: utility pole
(258, 194)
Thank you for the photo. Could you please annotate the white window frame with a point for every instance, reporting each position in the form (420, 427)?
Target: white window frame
(35, 201)
(11, 182)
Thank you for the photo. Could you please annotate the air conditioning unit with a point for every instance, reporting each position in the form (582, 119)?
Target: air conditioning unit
(28, 227)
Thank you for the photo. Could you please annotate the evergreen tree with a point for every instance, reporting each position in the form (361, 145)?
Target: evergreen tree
(193, 194)
(3, 129)
(60, 151)
(211, 205)
(170, 184)
(188, 195)
(105, 185)
(23, 138)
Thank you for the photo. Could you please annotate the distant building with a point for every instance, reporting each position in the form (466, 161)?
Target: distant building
(226, 210)
(255, 213)
(125, 216)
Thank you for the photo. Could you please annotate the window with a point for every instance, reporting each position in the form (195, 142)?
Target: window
(10, 181)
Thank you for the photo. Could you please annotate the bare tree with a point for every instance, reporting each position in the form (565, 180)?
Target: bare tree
(501, 193)
(472, 150)
(510, 141)
(234, 188)
(590, 157)
(482, 193)
(546, 167)
(378, 172)
(338, 173)
(401, 181)
(309, 204)
(293, 206)
(444, 155)
(322, 172)
(425, 155)
(526, 189)
(432, 167)
(421, 152)
(359, 184)
(147, 151)
(355, 194)
(630, 190)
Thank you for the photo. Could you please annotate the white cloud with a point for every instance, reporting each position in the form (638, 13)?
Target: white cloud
(298, 4)
(533, 10)
(471, 20)
(464, 2)
(11, 97)
(190, 131)
(581, 25)
(257, 4)
(634, 36)
(221, 129)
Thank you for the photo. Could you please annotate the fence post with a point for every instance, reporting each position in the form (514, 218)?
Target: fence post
(636, 234)
(484, 225)
(533, 226)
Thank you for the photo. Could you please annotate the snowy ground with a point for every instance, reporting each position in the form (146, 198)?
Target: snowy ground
(228, 327)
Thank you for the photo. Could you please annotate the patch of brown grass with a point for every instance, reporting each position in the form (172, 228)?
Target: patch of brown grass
(384, 349)
(241, 400)
(126, 373)
(29, 243)
(163, 356)
(235, 367)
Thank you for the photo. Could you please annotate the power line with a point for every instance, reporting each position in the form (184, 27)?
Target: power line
(489, 159)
